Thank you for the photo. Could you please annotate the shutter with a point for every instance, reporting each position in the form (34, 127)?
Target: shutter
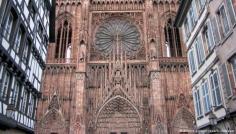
(209, 25)
(190, 62)
(231, 77)
(231, 11)
(227, 86)
(201, 49)
(215, 30)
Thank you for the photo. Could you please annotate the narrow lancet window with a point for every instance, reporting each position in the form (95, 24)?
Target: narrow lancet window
(63, 42)
(172, 40)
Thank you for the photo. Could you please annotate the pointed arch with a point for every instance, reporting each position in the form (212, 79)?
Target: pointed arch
(183, 120)
(120, 110)
(53, 120)
(160, 128)
(63, 36)
(172, 39)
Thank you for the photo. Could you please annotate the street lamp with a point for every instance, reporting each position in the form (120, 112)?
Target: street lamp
(212, 119)
(195, 127)
(228, 116)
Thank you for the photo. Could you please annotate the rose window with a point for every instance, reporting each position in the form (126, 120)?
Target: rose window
(119, 36)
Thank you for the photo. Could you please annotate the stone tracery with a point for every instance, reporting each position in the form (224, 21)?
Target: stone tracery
(117, 35)
(104, 92)
(118, 113)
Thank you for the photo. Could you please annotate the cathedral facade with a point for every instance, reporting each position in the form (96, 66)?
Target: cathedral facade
(116, 67)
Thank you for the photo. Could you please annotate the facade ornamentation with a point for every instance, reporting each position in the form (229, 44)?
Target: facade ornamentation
(154, 75)
(80, 76)
(123, 76)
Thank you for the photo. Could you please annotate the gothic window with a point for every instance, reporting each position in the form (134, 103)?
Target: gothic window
(63, 42)
(172, 39)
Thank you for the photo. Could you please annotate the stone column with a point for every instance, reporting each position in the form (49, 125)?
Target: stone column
(157, 96)
(80, 87)
(80, 90)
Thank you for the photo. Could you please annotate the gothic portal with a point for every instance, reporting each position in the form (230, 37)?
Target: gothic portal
(116, 67)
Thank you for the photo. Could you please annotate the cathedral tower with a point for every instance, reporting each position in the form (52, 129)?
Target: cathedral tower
(116, 67)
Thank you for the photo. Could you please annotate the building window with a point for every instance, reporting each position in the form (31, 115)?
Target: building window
(215, 30)
(18, 40)
(192, 62)
(197, 101)
(31, 105)
(9, 26)
(45, 41)
(1, 76)
(40, 30)
(63, 41)
(215, 85)
(208, 37)
(233, 64)
(5, 85)
(202, 3)
(26, 51)
(14, 93)
(231, 11)
(190, 25)
(226, 78)
(223, 20)
(172, 39)
(186, 29)
(32, 9)
(193, 13)
(206, 96)
(234, 4)
(23, 100)
(200, 50)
